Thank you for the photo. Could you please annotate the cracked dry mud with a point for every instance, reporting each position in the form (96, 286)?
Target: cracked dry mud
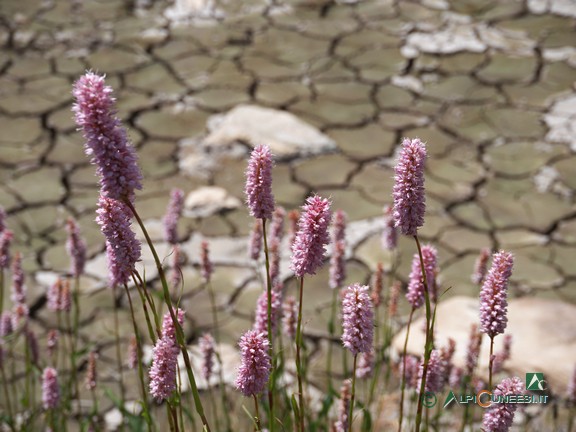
(488, 84)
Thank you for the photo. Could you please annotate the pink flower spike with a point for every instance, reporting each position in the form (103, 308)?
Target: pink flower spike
(309, 244)
(6, 327)
(255, 366)
(91, 375)
(164, 368)
(259, 183)
(52, 341)
(18, 288)
(365, 364)
(480, 266)
(357, 319)
(76, 248)
(50, 389)
(277, 225)
(206, 267)
(378, 285)
(408, 193)
(206, 344)
(500, 416)
(168, 327)
(6, 237)
(122, 247)
(261, 318)
(344, 406)
(493, 296)
(106, 140)
(436, 374)
(390, 233)
(255, 245)
(289, 318)
(173, 213)
(133, 355)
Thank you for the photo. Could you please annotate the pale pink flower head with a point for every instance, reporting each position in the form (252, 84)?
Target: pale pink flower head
(261, 317)
(500, 416)
(378, 285)
(206, 344)
(259, 183)
(337, 265)
(415, 294)
(277, 225)
(91, 374)
(344, 406)
(32, 342)
(290, 314)
(493, 296)
(293, 217)
(254, 370)
(390, 233)
(365, 364)
(18, 295)
(133, 355)
(173, 213)
(164, 368)
(19, 315)
(122, 247)
(206, 267)
(52, 341)
(436, 373)
(473, 349)
(481, 266)
(357, 319)
(255, 244)
(309, 244)
(106, 140)
(6, 327)
(408, 193)
(503, 355)
(571, 390)
(50, 388)
(2, 219)
(76, 247)
(6, 237)
(168, 328)
(274, 255)
(393, 302)
(409, 368)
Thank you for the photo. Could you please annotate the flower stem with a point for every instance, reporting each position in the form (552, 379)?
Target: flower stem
(257, 416)
(428, 344)
(145, 407)
(272, 383)
(491, 363)
(350, 415)
(331, 330)
(178, 328)
(300, 420)
(118, 352)
(403, 383)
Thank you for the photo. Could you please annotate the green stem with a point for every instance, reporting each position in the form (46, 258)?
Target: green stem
(331, 330)
(491, 363)
(151, 333)
(140, 369)
(74, 370)
(257, 417)
(272, 382)
(352, 397)
(403, 381)
(300, 420)
(118, 351)
(428, 344)
(178, 327)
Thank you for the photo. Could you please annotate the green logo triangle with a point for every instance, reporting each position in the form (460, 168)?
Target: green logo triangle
(450, 398)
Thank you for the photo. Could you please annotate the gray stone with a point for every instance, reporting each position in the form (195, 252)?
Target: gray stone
(209, 200)
(286, 135)
(532, 322)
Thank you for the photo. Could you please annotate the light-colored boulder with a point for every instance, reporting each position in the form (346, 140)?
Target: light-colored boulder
(543, 332)
(208, 200)
(286, 134)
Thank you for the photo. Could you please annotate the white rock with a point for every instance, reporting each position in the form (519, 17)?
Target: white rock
(286, 134)
(208, 200)
(408, 82)
(543, 332)
(561, 121)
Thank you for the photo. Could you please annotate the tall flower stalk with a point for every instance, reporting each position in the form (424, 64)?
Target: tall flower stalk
(408, 212)
(260, 201)
(493, 301)
(119, 175)
(308, 251)
(357, 325)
